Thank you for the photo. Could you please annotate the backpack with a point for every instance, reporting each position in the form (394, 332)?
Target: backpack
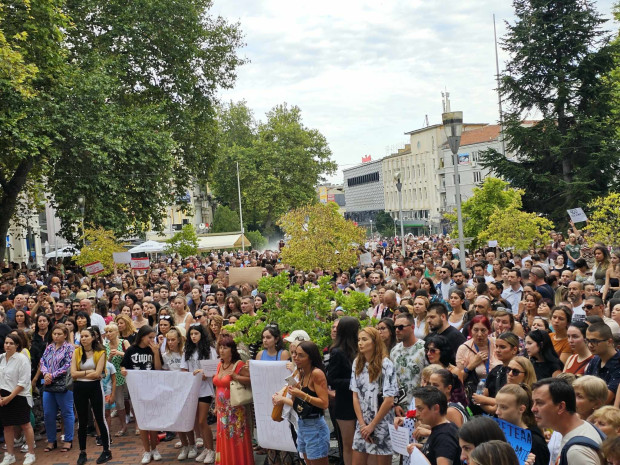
(580, 441)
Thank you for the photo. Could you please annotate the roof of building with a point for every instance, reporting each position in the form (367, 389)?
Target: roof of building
(476, 136)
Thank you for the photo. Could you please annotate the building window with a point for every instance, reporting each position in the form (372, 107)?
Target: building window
(477, 177)
(474, 155)
(363, 179)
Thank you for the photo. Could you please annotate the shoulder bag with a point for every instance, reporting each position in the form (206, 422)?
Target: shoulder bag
(240, 394)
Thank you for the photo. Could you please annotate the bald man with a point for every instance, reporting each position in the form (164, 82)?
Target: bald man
(95, 319)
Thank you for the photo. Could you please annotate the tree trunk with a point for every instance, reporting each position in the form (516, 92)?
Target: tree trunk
(10, 192)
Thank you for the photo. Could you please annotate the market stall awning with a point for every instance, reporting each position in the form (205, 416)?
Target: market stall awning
(148, 247)
(222, 241)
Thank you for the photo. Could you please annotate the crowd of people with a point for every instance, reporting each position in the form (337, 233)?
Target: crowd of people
(442, 349)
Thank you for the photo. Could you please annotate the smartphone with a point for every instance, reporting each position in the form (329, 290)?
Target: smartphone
(291, 381)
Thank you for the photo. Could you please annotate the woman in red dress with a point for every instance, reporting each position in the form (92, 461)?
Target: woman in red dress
(234, 438)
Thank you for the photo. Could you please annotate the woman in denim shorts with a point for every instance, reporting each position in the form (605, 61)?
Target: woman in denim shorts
(309, 400)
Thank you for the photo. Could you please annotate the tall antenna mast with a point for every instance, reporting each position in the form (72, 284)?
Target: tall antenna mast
(499, 93)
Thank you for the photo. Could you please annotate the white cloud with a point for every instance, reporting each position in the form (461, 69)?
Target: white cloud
(364, 72)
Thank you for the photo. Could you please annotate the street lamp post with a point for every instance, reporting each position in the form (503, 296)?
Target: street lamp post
(453, 125)
(370, 229)
(81, 202)
(395, 220)
(399, 187)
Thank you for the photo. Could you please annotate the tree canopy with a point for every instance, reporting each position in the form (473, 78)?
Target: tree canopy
(184, 242)
(281, 161)
(560, 68)
(100, 245)
(604, 220)
(120, 110)
(225, 220)
(320, 237)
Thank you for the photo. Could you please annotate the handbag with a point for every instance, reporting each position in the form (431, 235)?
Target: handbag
(240, 394)
(60, 384)
(276, 413)
(302, 408)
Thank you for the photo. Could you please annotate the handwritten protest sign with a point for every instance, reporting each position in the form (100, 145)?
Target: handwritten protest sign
(577, 215)
(94, 268)
(520, 439)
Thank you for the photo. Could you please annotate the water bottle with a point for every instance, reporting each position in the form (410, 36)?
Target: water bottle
(481, 386)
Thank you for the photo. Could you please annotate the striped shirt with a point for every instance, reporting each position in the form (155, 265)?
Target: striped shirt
(55, 361)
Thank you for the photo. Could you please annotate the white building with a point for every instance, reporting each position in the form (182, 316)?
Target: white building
(363, 192)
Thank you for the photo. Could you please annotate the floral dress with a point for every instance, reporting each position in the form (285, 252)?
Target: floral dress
(234, 438)
(367, 394)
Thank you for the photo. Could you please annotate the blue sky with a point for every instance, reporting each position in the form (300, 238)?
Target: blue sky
(365, 72)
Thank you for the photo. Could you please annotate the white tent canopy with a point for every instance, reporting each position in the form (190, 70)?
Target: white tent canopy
(63, 252)
(148, 247)
(222, 241)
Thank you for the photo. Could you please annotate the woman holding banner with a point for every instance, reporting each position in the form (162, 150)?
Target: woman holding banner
(144, 355)
(197, 348)
(234, 438)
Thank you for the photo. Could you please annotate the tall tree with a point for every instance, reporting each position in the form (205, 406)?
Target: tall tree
(129, 118)
(281, 161)
(559, 70)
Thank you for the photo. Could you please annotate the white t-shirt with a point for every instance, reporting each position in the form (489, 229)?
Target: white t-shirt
(97, 320)
(206, 388)
(582, 455)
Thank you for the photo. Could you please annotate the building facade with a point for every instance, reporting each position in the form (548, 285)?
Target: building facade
(332, 193)
(363, 192)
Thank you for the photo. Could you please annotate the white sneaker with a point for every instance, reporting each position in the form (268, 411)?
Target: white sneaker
(8, 459)
(199, 443)
(178, 445)
(210, 456)
(113, 413)
(202, 455)
(156, 455)
(29, 459)
(183, 454)
(146, 458)
(192, 453)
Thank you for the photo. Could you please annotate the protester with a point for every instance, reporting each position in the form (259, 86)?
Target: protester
(477, 431)
(541, 353)
(494, 453)
(115, 348)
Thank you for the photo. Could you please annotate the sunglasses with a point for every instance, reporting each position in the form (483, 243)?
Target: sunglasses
(432, 351)
(589, 307)
(165, 317)
(515, 371)
(199, 315)
(401, 327)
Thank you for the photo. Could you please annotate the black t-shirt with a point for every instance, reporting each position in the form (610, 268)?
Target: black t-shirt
(539, 446)
(455, 338)
(443, 442)
(25, 289)
(545, 369)
(138, 358)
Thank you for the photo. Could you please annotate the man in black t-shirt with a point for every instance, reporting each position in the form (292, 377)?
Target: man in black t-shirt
(438, 324)
(442, 446)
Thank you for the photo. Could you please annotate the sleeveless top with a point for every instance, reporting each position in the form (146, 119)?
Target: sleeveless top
(270, 358)
(575, 367)
(315, 411)
(116, 361)
(182, 325)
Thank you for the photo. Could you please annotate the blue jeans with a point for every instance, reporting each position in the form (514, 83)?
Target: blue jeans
(52, 401)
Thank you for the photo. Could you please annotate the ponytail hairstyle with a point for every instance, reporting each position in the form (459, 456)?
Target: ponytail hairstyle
(457, 393)
(523, 396)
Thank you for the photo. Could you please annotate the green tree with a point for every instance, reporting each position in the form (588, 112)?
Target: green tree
(604, 220)
(184, 242)
(320, 238)
(293, 307)
(512, 227)
(281, 161)
(493, 195)
(100, 246)
(124, 107)
(225, 220)
(257, 239)
(384, 224)
(560, 62)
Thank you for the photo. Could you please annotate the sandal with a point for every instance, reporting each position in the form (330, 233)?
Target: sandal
(120, 433)
(51, 446)
(66, 448)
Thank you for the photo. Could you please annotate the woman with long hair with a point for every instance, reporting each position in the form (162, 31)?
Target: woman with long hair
(514, 405)
(115, 348)
(528, 308)
(182, 315)
(234, 437)
(215, 327)
(452, 387)
(41, 337)
(273, 345)
(137, 313)
(198, 347)
(506, 348)
(612, 276)
(144, 354)
(602, 260)
(342, 354)
(233, 304)
(22, 321)
(578, 362)
(457, 317)
(561, 317)
(87, 367)
(115, 305)
(420, 307)
(388, 333)
(521, 370)
(477, 431)
(82, 321)
(55, 366)
(438, 352)
(195, 300)
(493, 453)
(543, 356)
(15, 398)
(374, 386)
(126, 329)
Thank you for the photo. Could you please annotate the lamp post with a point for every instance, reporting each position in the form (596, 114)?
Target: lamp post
(370, 229)
(399, 187)
(81, 202)
(395, 220)
(453, 125)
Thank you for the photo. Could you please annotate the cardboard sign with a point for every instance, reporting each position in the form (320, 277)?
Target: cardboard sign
(520, 439)
(366, 259)
(577, 215)
(94, 267)
(250, 275)
(140, 263)
(121, 257)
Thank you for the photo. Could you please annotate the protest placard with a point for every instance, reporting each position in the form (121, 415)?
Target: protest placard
(209, 367)
(400, 439)
(94, 267)
(140, 263)
(121, 257)
(520, 439)
(577, 215)
(249, 274)
(164, 400)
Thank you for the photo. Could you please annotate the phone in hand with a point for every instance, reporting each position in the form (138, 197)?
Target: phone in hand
(291, 381)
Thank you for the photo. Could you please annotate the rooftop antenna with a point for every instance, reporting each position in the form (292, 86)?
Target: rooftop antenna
(426, 123)
(446, 101)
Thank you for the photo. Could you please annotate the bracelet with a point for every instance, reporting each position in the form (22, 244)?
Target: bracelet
(466, 370)
(307, 399)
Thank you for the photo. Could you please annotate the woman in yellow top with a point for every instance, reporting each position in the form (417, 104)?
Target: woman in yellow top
(87, 369)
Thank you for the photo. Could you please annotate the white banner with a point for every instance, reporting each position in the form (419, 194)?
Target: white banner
(267, 379)
(164, 400)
